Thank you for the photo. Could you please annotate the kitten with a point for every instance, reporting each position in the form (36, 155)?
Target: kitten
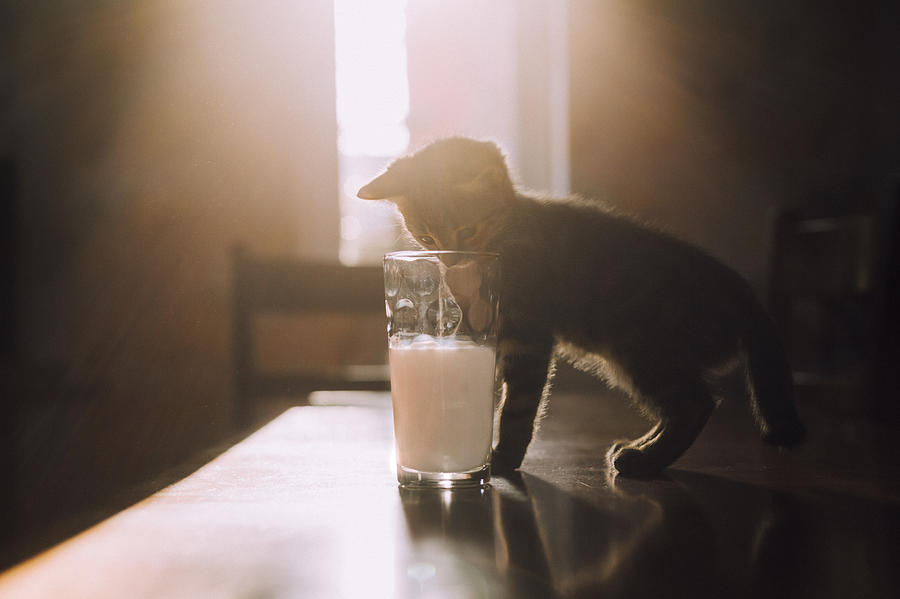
(648, 313)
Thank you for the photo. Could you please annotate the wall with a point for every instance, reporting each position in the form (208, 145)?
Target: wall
(147, 139)
(704, 116)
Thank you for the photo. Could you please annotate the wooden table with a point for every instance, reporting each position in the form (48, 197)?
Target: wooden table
(308, 506)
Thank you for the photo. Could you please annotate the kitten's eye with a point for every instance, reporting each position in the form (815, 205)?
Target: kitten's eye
(426, 240)
(466, 232)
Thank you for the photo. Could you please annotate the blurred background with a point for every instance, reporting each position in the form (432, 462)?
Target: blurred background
(142, 142)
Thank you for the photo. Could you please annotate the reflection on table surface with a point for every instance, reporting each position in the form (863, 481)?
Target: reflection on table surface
(308, 506)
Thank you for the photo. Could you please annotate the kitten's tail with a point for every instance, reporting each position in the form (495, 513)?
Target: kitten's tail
(769, 382)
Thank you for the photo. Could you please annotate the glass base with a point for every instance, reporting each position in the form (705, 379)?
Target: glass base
(416, 479)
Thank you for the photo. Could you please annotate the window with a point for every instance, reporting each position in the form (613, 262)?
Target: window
(372, 110)
(411, 72)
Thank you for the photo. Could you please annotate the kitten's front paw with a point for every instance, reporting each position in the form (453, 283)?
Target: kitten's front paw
(632, 462)
(503, 464)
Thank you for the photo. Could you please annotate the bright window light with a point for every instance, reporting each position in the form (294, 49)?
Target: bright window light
(372, 86)
(372, 109)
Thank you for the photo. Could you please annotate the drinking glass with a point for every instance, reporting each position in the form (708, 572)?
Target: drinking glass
(443, 309)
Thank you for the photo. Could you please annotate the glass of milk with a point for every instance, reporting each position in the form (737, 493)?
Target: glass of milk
(442, 310)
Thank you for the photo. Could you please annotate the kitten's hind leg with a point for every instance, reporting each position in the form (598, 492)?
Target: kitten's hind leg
(684, 410)
(638, 443)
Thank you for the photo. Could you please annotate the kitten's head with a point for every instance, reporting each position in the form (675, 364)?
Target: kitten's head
(454, 194)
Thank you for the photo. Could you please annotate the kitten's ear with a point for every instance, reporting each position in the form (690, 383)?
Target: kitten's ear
(391, 183)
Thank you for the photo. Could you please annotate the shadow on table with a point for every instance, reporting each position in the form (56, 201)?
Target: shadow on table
(20, 542)
(686, 534)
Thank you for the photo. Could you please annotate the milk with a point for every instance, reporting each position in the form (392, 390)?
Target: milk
(442, 392)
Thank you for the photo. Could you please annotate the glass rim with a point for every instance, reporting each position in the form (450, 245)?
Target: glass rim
(423, 253)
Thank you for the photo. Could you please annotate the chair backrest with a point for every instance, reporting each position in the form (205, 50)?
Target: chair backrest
(263, 285)
(825, 281)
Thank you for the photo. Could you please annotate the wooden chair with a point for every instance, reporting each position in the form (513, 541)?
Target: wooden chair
(289, 286)
(827, 293)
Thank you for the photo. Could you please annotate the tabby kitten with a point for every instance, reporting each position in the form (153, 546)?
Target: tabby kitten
(646, 312)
